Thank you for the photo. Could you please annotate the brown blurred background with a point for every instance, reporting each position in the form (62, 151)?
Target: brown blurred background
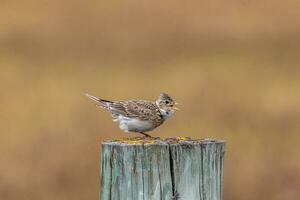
(233, 65)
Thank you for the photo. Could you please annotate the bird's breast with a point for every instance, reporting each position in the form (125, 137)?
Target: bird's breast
(135, 125)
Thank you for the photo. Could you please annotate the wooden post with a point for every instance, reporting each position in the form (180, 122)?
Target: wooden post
(154, 169)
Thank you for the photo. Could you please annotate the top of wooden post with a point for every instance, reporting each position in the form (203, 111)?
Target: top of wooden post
(160, 141)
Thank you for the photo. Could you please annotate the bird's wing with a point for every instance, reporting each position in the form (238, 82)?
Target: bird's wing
(144, 110)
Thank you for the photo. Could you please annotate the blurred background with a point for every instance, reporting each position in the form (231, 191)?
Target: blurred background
(233, 65)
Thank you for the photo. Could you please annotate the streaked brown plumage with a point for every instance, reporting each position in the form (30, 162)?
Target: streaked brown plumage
(138, 115)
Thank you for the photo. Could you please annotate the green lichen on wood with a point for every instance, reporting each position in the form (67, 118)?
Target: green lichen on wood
(162, 169)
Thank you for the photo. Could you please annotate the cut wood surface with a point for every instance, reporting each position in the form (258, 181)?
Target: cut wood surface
(156, 169)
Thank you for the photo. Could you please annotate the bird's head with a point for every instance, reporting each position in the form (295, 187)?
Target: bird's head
(166, 104)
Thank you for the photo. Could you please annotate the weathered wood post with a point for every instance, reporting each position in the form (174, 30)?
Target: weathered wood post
(155, 169)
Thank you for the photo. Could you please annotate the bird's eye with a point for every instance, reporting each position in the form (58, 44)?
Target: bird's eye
(167, 102)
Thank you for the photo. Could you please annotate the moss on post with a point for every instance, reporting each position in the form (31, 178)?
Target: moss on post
(155, 169)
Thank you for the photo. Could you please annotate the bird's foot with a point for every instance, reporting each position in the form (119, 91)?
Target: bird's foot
(146, 135)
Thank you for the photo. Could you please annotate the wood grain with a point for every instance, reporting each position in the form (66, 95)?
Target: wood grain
(177, 168)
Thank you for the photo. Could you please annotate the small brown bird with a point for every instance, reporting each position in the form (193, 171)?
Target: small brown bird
(138, 116)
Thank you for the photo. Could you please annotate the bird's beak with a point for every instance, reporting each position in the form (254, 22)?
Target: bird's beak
(175, 108)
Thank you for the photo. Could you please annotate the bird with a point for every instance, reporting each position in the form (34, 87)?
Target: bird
(139, 116)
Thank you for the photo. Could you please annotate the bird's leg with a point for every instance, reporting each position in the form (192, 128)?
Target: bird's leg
(145, 134)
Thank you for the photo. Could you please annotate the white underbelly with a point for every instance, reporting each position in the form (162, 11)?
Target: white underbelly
(134, 125)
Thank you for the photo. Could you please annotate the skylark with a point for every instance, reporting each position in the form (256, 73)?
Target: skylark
(138, 116)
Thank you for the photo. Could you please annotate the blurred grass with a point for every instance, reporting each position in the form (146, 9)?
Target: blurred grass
(233, 66)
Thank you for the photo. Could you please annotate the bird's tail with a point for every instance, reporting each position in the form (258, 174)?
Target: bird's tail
(100, 102)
